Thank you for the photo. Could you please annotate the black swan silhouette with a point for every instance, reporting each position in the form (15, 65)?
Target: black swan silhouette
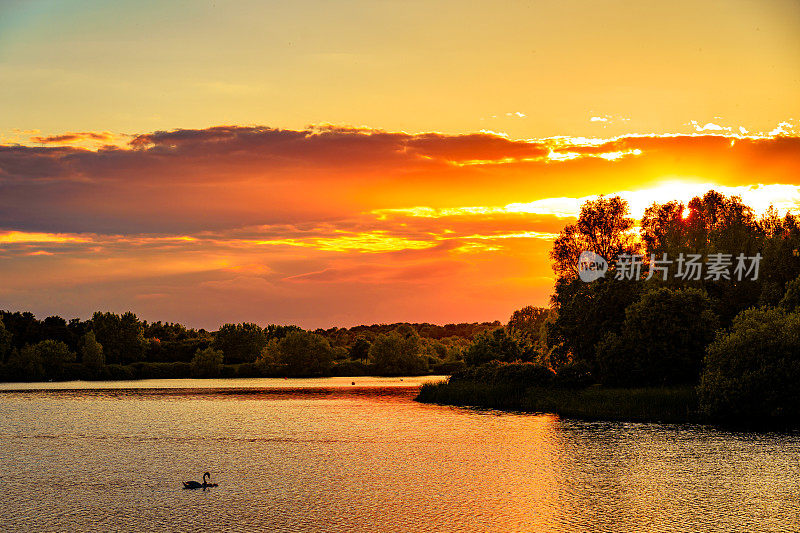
(196, 485)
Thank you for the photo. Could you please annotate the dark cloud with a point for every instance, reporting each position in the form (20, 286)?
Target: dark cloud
(226, 177)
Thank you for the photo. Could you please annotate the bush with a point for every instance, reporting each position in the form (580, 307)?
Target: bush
(656, 404)
(575, 375)
(350, 368)
(751, 372)
(74, 371)
(143, 370)
(791, 298)
(248, 370)
(117, 372)
(448, 367)
(662, 340)
(183, 350)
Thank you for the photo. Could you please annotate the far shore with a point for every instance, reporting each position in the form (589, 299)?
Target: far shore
(232, 382)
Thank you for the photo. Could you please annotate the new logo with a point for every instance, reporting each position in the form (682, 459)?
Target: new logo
(591, 266)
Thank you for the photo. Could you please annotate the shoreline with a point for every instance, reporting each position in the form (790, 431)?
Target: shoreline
(660, 405)
(653, 404)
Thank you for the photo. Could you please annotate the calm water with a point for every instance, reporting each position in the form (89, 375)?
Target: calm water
(324, 455)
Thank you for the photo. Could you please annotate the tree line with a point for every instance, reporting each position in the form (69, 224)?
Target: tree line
(121, 346)
(736, 341)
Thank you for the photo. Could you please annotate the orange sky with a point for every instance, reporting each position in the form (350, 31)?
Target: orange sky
(487, 128)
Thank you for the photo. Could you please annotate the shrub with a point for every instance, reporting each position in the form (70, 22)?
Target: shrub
(448, 367)
(248, 370)
(662, 340)
(517, 374)
(350, 368)
(575, 375)
(791, 298)
(146, 370)
(117, 372)
(751, 372)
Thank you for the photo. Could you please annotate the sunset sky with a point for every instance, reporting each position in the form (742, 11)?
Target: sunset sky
(337, 163)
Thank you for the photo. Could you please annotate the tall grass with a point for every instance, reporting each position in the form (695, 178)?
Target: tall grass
(674, 404)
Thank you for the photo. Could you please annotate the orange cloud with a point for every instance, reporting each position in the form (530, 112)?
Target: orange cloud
(72, 137)
(336, 225)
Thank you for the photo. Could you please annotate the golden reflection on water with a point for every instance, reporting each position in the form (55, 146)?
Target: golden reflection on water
(324, 455)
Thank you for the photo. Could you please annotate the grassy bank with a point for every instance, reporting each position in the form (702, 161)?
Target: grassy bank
(676, 404)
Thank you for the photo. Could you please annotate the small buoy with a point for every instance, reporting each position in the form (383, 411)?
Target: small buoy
(353, 383)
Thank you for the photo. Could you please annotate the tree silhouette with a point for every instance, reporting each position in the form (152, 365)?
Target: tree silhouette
(603, 227)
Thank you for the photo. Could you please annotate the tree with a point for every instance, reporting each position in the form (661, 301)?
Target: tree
(55, 328)
(24, 328)
(587, 312)
(304, 353)
(662, 340)
(603, 227)
(207, 363)
(359, 351)
(398, 353)
(43, 359)
(527, 323)
(751, 372)
(241, 343)
(5, 341)
(717, 223)
(791, 299)
(92, 354)
(269, 360)
(276, 332)
(529, 327)
(26, 364)
(780, 263)
(663, 228)
(121, 336)
(495, 346)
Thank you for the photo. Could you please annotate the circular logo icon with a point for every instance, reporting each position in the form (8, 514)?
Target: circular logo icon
(591, 266)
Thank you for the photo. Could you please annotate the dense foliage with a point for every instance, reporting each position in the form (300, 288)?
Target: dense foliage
(735, 338)
(661, 342)
(121, 346)
(752, 371)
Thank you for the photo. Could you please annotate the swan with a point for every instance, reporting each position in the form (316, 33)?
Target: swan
(196, 485)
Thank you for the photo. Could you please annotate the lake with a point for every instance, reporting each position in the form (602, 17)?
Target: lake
(326, 455)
